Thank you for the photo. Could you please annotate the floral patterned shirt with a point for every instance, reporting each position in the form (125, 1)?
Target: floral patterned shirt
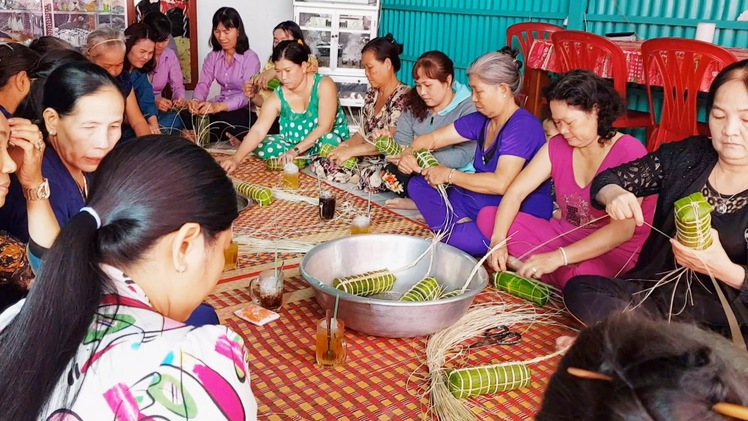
(388, 115)
(136, 364)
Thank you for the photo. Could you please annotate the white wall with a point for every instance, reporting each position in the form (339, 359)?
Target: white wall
(259, 16)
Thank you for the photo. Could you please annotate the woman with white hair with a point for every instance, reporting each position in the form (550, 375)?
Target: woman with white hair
(507, 138)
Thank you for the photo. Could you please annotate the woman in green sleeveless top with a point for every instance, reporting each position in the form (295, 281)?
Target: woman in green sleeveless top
(307, 104)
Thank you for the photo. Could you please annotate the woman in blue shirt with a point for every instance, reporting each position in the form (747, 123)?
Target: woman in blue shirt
(140, 46)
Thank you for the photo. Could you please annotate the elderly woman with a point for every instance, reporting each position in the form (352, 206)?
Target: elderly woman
(102, 323)
(437, 100)
(383, 106)
(307, 105)
(106, 48)
(507, 138)
(716, 167)
(82, 119)
(583, 107)
(230, 64)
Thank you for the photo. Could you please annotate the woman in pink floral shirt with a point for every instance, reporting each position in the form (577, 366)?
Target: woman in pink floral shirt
(383, 105)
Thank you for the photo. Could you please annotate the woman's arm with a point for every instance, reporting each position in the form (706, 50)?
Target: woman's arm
(256, 134)
(207, 75)
(250, 67)
(175, 78)
(42, 223)
(439, 138)
(535, 174)
(497, 182)
(135, 117)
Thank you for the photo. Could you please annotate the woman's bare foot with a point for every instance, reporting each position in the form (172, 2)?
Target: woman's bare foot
(564, 342)
(400, 203)
(233, 140)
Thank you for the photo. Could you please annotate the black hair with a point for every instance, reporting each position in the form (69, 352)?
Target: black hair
(384, 48)
(229, 17)
(292, 28)
(47, 43)
(735, 71)
(145, 7)
(660, 371)
(434, 65)
(294, 51)
(133, 34)
(160, 24)
(14, 59)
(135, 201)
(31, 107)
(586, 91)
(69, 83)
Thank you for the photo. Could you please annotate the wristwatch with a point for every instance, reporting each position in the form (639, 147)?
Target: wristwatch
(40, 192)
(297, 150)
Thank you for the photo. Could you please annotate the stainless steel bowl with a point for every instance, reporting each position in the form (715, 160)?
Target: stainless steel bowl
(242, 202)
(378, 315)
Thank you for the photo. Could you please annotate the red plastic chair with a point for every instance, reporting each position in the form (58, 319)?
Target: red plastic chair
(681, 64)
(526, 33)
(583, 50)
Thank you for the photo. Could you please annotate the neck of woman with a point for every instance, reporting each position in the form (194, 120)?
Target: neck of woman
(389, 87)
(445, 102)
(732, 176)
(302, 88)
(229, 54)
(75, 172)
(503, 116)
(6, 102)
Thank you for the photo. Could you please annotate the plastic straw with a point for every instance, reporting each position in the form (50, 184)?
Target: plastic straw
(368, 210)
(335, 312)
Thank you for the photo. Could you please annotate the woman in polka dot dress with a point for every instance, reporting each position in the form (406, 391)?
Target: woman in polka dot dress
(307, 104)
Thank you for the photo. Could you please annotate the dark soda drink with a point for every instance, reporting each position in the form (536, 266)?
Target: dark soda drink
(326, 205)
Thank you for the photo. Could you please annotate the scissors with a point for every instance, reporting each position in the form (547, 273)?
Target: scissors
(499, 335)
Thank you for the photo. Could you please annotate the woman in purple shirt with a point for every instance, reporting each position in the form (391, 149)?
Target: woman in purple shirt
(166, 73)
(508, 137)
(231, 63)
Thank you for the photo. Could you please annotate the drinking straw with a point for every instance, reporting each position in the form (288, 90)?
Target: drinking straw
(335, 312)
(275, 263)
(368, 210)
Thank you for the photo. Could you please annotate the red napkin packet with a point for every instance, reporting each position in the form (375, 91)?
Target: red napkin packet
(256, 314)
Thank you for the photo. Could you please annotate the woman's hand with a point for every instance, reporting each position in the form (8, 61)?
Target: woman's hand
(408, 164)
(180, 103)
(229, 165)
(714, 260)
(498, 258)
(541, 264)
(340, 154)
(289, 156)
(194, 106)
(621, 204)
(164, 105)
(212, 107)
(27, 137)
(249, 89)
(436, 175)
(263, 78)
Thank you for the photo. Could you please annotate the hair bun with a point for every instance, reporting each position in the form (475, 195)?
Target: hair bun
(509, 51)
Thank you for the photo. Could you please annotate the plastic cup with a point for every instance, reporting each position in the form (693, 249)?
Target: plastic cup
(332, 349)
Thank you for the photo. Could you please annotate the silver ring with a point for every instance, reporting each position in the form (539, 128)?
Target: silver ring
(534, 270)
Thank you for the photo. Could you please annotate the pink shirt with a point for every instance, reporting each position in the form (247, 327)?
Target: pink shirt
(168, 72)
(230, 77)
(574, 200)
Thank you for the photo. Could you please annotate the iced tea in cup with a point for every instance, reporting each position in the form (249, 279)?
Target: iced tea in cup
(331, 349)
(231, 256)
(291, 176)
(326, 205)
(361, 225)
(267, 289)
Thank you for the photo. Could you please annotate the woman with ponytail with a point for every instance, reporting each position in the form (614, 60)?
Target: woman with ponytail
(100, 335)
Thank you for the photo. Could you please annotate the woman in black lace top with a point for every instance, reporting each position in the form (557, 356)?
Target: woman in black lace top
(717, 167)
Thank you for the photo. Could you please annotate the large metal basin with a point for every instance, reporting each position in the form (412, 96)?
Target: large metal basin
(380, 316)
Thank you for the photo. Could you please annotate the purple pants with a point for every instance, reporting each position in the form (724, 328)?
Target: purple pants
(465, 203)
